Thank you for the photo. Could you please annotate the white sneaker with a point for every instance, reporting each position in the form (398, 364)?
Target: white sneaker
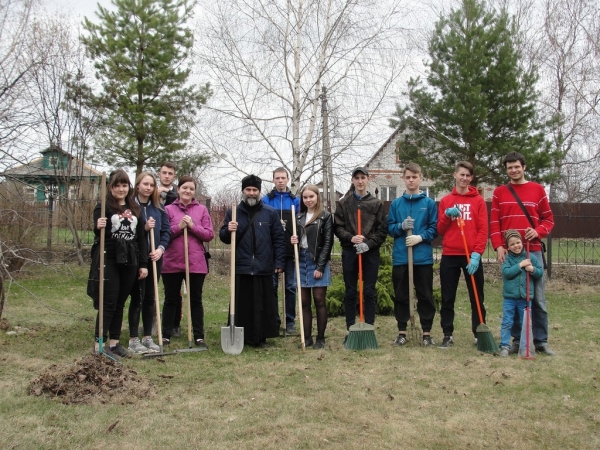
(150, 345)
(136, 346)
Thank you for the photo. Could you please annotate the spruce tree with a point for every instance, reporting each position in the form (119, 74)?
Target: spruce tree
(477, 104)
(146, 103)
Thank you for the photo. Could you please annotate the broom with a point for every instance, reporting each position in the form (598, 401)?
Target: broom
(361, 336)
(485, 339)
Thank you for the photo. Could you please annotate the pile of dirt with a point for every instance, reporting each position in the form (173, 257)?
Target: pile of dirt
(91, 379)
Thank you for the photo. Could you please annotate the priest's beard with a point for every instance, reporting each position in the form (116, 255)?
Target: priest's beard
(250, 201)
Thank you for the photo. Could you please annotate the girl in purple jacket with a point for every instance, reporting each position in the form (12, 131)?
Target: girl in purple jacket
(186, 212)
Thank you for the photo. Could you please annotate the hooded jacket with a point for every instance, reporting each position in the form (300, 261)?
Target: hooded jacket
(424, 211)
(515, 277)
(282, 202)
(260, 250)
(202, 231)
(475, 217)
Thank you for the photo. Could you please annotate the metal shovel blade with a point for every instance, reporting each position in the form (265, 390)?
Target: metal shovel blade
(232, 339)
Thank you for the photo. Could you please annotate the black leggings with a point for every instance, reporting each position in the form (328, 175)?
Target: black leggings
(172, 283)
(142, 301)
(118, 281)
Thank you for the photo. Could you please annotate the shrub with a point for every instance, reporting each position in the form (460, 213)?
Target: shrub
(384, 287)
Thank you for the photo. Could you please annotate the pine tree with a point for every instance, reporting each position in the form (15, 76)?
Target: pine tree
(147, 106)
(478, 102)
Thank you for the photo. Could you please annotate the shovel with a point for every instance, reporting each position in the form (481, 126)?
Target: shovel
(157, 307)
(189, 306)
(414, 331)
(232, 337)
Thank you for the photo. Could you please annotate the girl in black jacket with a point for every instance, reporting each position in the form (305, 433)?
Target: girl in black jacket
(315, 236)
(126, 255)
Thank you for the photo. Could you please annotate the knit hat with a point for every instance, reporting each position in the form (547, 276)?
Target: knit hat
(251, 181)
(510, 234)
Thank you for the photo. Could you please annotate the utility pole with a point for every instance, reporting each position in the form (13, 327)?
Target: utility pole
(328, 186)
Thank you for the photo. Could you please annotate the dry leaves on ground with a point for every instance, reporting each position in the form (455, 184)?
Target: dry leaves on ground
(91, 379)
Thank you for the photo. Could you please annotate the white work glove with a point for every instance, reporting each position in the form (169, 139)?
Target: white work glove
(408, 224)
(413, 240)
(361, 248)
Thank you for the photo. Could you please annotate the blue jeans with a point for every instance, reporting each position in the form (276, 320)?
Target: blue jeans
(512, 309)
(539, 311)
(290, 290)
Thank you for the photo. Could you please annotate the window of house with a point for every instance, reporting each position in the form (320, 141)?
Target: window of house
(387, 193)
(29, 194)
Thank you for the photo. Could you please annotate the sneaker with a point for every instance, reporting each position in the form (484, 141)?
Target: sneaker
(427, 341)
(319, 344)
(176, 331)
(544, 349)
(475, 342)
(200, 343)
(150, 345)
(309, 342)
(446, 342)
(120, 351)
(514, 348)
(504, 351)
(166, 342)
(290, 329)
(136, 347)
(400, 340)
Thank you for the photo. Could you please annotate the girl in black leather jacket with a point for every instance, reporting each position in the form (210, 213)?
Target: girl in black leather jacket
(315, 239)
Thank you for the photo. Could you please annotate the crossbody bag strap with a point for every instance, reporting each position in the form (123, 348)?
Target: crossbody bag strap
(514, 193)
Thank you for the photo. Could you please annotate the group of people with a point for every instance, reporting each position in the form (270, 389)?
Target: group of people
(265, 242)
(144, 231)
(520, 213)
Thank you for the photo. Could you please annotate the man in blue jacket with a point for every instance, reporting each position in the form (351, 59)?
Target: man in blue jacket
(417, 212)
(260, 253)
(282, 199)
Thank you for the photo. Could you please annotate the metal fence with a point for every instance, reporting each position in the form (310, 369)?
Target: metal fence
(575, 238)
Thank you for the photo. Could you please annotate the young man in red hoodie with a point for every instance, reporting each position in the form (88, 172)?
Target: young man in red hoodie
(464, 201)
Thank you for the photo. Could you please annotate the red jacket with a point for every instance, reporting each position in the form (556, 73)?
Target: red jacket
(507, 214)
(474, 213)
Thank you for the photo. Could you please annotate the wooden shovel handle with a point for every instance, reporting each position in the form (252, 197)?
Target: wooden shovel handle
(232, 263)
(298, 295)
(411, 283)
(101, 273)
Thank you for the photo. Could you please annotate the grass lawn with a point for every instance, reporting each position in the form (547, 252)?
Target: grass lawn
(280, 397)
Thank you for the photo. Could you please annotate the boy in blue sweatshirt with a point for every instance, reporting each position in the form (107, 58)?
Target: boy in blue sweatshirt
(417, 212)
(514, 288)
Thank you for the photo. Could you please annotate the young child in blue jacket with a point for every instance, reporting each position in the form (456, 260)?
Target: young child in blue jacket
(514, 277)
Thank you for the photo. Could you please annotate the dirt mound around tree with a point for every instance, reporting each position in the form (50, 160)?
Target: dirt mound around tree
(91, 379)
